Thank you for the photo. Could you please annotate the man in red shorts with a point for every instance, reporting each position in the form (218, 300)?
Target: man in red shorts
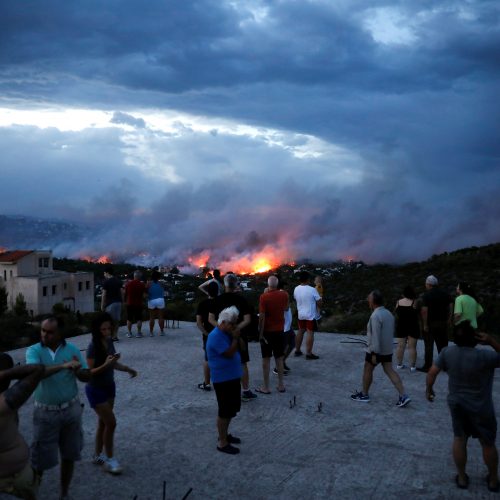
(134, 297)
(272, 307)
(308, 305)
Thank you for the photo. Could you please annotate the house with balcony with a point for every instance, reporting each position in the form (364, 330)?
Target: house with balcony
(31, 273)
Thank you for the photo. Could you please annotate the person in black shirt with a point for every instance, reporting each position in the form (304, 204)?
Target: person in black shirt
(205, 328)
(227, 299)
(437, 310)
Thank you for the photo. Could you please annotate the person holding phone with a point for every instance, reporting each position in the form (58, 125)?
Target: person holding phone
(102, 360)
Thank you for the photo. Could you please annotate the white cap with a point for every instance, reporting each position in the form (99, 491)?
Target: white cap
(431, 280)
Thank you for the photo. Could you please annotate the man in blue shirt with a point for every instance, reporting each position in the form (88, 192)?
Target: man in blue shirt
(57, 416)
(225, 369)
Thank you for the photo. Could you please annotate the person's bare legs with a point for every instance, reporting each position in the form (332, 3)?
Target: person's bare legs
(161, 321)
(490, 457)
(139, 327)
(280, 369)
(298, 340)
(309, 341)
(412, 351)
(367, 377)
(206, 372)
(152, 314)
(107, 417)
(222, 428)
(67, 468)
(245, 378)
(266, 363)
(460, 458)
(393, 377)
(400, 351)
(129, 327)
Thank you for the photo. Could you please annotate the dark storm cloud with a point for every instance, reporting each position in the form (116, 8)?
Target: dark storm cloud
(421, 114)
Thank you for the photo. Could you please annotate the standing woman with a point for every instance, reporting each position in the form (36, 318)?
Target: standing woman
(103, 361)
(156, 303)
(407, 328)
(466, 305)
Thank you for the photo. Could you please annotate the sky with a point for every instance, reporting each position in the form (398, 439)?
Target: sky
(231, 131)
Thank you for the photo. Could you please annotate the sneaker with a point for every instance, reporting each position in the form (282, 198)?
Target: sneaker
(151, 334)
(112, 466)
(286, 367)
(400, 367)
(139, 335)
(129, 335)
(231, 450)
(298, 353)
(359, 396)
(403, 401)
(98, 459)
(204, 387)
(275, 371)
(248, 395)
(233, 439)
(311, 356)
(412, 369)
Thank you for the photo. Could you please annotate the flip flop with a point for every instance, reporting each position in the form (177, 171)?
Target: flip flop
(462, 486)
(262, 391)
(280, 390)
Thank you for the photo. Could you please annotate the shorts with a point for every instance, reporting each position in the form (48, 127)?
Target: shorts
(275, 344)
(205, 337)
(306, 324)
(465, 423)
(100, 395)
(228, 397)
(381, 358)
(134, 313)
(115, 311)
(156, 304)
(289, 342)
(244, 354)
(54, 432)
(23, 484)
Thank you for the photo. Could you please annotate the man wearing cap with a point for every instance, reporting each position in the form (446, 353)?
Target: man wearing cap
(57, 417)
(437, 310)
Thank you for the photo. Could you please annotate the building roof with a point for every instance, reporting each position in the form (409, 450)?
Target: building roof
(14, 255)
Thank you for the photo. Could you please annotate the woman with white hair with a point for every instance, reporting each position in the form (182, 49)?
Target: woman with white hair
(225, 369)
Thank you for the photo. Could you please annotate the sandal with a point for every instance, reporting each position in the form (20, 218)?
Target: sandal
(462, 486)
(262, 391)
(493, 489)
(204, 387)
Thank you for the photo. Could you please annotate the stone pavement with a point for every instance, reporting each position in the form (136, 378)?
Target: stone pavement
(166, 432)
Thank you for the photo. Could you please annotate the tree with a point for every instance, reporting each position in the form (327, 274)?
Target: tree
(20, 308)
(3, 300)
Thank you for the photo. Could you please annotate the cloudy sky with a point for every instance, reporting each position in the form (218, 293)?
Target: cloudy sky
(228, 130)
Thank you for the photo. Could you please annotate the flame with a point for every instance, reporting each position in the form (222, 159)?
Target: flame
(200, 260)
(103, 259)
(3, 249)
(261, 262)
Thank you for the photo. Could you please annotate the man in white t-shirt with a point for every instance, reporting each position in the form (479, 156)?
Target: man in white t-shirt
(308, 305)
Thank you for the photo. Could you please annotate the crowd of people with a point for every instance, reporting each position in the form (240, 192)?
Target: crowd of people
(53, 367)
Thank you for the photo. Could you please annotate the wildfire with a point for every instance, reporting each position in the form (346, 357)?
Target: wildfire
(200, 260)
(262, 262)
(103, 259)
(3, 249)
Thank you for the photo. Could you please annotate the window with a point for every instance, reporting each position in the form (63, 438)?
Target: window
(44, 291)
(54, 289)
(80, 286)
(11, 273)
(40, 262)
(5, 275)
(65, 286)
(46, 262)
(87, 285)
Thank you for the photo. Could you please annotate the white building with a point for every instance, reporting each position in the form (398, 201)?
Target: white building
(30, 273)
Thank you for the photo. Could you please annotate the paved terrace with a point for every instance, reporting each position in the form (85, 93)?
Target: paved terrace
(166, 432)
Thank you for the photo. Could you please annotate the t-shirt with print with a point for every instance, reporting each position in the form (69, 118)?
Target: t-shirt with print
(470, 376)
(306, 297)
(106, 377)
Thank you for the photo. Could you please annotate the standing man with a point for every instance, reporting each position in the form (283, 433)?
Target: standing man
(134, 296)
(308, 307)
(225, 366)
(437, 310)
(205, 328)
(470, 384)
(380, 336)
(272, 307)
(112, 298)
(57, 417)
(217, 279)
(17, 477)
(231, 298)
